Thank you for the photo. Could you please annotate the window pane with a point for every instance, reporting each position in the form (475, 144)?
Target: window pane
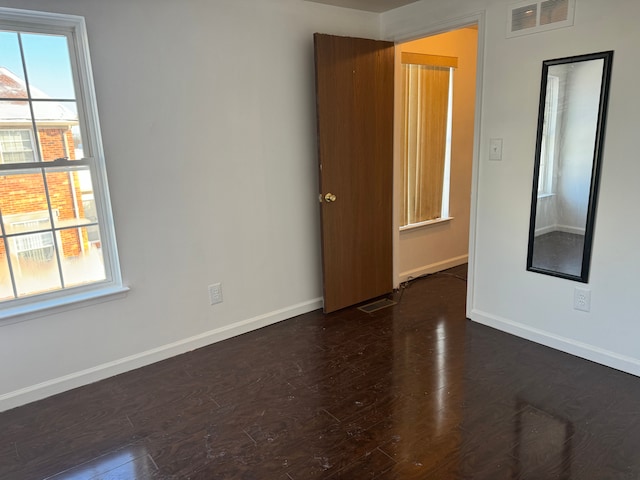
(55, 122)
(6, 289)
(33, 259)
(16, 137)
(16, 146)
(50, 112)
(23, 203)
(77, 152)
(67, 187)
(11, 71)
(82, 260)
(48, 66)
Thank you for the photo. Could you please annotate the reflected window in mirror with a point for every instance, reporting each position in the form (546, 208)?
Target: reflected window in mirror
(548, 151)
(573, 102)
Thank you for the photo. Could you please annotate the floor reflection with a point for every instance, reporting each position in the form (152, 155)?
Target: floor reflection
(441, 374)
(559, 252)
(427, 372)
(542, 444)
(130, 463)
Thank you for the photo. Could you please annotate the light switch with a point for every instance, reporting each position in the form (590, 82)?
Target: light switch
(495, 149)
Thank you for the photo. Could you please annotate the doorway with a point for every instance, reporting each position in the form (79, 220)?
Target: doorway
(444, 242)
(333, 131)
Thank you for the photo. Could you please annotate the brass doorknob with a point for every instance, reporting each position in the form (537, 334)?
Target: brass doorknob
(329, 197)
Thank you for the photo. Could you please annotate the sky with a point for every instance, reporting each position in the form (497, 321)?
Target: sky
(46, 58)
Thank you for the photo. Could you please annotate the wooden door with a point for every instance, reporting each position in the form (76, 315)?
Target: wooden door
(354, 94)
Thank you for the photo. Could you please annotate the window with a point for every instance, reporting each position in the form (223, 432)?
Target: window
(57, 243)
(16, 146)
(426, 130)
(549, 145)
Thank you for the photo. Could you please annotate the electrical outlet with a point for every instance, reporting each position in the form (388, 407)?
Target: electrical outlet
(582, 299)
(215, 293)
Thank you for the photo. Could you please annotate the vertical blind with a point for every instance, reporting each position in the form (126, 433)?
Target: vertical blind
(426, 109)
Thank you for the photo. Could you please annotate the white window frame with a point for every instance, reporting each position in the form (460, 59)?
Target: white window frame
(74, 28)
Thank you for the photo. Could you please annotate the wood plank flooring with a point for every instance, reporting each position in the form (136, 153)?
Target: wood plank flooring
(413, 391)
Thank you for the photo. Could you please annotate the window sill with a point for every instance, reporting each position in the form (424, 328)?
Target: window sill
(546, 195)
(428, 223)
(41, 308)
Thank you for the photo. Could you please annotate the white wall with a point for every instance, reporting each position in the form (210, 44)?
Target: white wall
(208, 120)
(504, 294)
(436, 247)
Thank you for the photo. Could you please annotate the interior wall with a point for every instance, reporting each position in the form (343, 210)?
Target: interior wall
(503, 294)
(443, 245)
(208, 124)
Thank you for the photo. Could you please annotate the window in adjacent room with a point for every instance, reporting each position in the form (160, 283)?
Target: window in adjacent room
(426, 131)
(57, 243)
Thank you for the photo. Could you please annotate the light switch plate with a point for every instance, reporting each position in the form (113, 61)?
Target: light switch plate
(495, 149)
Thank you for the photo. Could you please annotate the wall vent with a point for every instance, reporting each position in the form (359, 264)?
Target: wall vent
(535, 16)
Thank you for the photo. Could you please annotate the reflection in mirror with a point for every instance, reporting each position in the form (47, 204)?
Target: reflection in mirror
(571, 121)
(543, 443)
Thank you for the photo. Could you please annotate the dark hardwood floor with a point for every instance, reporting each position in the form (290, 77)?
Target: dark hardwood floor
(413, 391)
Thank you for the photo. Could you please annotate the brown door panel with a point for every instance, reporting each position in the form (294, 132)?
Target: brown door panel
(354, 93)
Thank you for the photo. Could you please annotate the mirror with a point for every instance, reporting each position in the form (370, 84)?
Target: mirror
(571, 121)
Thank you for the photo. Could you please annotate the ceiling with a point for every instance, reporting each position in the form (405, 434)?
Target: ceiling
(367, 5)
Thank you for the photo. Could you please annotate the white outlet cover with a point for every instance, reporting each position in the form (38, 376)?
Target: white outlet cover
(582, 299)
(215, 293)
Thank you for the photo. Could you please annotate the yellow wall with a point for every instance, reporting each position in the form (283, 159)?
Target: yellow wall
(435, 247)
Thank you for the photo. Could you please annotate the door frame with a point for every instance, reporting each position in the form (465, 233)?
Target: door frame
(427, 31)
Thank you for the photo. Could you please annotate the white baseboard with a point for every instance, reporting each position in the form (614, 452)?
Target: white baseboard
(570, 229)
(545, 230)
(559, 228)
(579, 349)
(106, 370)
(433, 268)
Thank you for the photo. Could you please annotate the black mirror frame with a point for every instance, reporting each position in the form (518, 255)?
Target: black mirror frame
(607, 56)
